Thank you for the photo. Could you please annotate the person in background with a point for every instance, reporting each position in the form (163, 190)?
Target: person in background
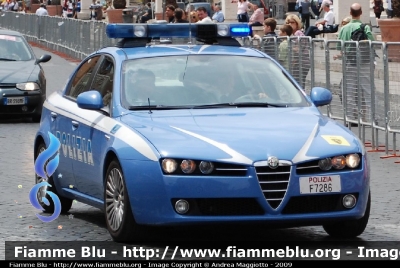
(269, 31)
(42, 11)
(78, 6)
(306, 13)
(299, 3)
(389, 9)
(300, 69)
(344, 22)
(21, 9)
(295, 23)
(193, 17)
(70, 9)
(378, 8)
(169, 12)
(257, 18)
(285, 30)
(13, 6)
(178, 13)
(5, 5)
(269, 27)
(242, 15)
(363, 74)
(321, 26)
(74, 14)
(203, 15)
(218, 15)
(148, 15)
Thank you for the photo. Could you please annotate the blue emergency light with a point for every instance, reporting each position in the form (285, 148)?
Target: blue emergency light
(183, 30)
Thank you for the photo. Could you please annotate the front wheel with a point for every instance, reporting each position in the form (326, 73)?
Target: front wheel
(351, 228)
(118, 213)
(66, 203)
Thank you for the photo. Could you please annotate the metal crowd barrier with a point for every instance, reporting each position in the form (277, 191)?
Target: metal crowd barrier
(365, 87)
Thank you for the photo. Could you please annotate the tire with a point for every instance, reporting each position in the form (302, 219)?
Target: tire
(66, 203)
(118, 212)
(36, 118)
(351, 228)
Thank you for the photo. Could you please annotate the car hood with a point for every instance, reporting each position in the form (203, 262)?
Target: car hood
(244, 135)
(16, 71)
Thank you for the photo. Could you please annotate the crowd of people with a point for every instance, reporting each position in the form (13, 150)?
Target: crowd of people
(13, 5)
(200, 15)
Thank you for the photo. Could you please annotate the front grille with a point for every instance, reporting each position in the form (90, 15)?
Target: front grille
(312, 167)
(16, 109)
(315, 204)
(7, 85)
(222, 206)
(273, 183)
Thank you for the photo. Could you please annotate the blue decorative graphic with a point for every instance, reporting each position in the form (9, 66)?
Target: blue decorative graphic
(40, 165)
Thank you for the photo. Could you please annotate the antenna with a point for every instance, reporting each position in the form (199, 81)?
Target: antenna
(150, 112)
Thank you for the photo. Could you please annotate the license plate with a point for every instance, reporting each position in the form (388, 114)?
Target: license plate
(320, 184)
(15, 101)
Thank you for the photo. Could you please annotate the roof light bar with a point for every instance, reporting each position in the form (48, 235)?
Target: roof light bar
(204, 31)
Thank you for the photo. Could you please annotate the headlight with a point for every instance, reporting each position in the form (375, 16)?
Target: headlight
(188, 166)
(339, 162)
(352, 160)
(28, 86)
(169, 165)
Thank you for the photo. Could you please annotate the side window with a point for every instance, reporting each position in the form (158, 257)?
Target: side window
(103, 80)
(82, 79)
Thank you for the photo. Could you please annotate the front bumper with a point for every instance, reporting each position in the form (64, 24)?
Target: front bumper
(33, 104)
(236, 199)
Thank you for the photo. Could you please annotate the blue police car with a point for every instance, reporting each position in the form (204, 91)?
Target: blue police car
(204, 132)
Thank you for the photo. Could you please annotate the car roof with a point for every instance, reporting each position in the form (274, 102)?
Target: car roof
(173, 50)
(10, 32)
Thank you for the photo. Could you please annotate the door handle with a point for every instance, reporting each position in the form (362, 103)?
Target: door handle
(53, 115)
(75, 124)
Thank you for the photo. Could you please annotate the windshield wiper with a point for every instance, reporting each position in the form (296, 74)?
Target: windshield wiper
(156, 107)
(238, 104)
(259, 104)
(5, 59)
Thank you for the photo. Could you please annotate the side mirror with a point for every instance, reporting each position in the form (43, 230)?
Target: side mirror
(320, 96)
(91, 100)
(43, 58)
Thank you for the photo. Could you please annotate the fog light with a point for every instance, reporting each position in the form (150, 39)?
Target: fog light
(206, 167)
(325, 164)
(182, 206)
(349, 201)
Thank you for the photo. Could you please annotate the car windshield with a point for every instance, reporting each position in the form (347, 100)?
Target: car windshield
(207, 80)
(14, 48)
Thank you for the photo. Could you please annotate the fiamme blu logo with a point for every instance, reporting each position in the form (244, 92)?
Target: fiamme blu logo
(45, 165)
